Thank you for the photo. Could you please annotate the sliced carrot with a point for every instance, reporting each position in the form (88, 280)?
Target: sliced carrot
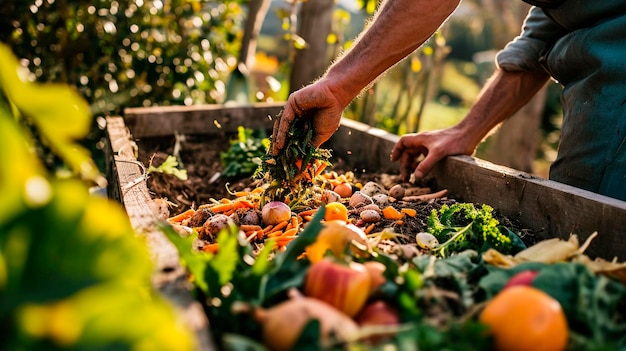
(242, 193)
(182, 216)
(369, 228)
(274, 234)
(409, 212)
(390, 212)
(290, 232)
(399, 222)
(212, 248)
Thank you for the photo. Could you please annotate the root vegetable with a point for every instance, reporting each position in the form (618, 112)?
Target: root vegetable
(214, 224)
(364, 208)
(373, 188)
(250, 217)
(380, 199)
(275, 212)
(370, 216)
(397, 191)
(330, 196)
(360, 199)
(283, 323)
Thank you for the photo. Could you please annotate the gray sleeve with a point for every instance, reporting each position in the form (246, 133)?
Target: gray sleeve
(523, 52)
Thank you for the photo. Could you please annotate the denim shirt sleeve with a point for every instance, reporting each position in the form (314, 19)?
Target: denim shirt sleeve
(523, 52)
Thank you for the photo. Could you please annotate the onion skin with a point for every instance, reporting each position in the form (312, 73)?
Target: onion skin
(343, 286)
(275, 212)
(283, 323)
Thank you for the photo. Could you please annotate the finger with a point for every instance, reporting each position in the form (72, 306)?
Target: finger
(281, 127)
(407, 165)
(425, 166)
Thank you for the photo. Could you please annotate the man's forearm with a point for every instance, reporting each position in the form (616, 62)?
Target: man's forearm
(399, 28)
(503, 95)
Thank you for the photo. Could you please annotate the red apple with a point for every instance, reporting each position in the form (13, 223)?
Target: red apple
(345, 286)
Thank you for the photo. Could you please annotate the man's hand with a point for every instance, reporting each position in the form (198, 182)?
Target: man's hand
(315, 101)
(433, 145)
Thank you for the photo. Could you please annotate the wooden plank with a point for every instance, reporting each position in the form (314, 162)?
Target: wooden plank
(169, 277)
(198, 119)
(554, 209)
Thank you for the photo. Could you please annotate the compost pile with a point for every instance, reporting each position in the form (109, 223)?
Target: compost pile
(355, 260)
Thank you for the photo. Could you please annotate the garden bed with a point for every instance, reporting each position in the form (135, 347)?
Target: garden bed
(536, 208)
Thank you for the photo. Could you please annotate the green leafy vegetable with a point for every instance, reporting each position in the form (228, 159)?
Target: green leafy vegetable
(169, 166)
(245, 153)
(462, 226)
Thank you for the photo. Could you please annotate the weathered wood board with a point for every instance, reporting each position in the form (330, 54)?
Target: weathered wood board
(127, 185)
(550, 208)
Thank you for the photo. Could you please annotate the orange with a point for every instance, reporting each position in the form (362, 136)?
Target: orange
(336, 236)
(336, 211)
(522, 318)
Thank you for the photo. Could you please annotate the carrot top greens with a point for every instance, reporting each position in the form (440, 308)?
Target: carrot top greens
(290, 173)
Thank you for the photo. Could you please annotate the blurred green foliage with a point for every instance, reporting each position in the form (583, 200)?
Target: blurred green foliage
(127, 53)
(73, 273)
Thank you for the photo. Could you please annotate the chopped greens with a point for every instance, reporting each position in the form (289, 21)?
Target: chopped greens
(462, 226)
(290, 173)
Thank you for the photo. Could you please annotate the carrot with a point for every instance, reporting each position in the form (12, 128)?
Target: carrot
(293, 223)
(409, 212)
(308, 212)
(241, 193)
(221, 207)
(290, 232)
(307, 218)
(279, 226)
(275, 234)
(320, 168)
(390, 212)
(250, 227)
(369, 228)
(182, 216)
(399, 222)
(243, 204)
(212, 248)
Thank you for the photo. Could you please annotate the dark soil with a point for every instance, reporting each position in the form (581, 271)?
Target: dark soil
(200, 156)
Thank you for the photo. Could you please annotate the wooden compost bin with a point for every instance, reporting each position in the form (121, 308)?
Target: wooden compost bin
(551, 209)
